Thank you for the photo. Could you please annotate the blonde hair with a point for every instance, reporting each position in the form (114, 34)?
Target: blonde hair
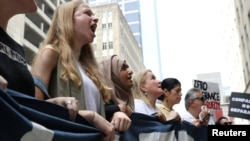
(61, 37)
(138, 80)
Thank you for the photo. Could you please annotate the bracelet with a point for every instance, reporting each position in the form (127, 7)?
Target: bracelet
(126, 109)
(92, 117)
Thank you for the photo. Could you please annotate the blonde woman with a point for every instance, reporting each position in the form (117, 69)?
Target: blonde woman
(146, 89)
(67, 66)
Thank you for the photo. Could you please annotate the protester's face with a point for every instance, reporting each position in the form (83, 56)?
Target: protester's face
(126, 75)
(174, 95)
(198, 101)
(85, 24)
(152, 85)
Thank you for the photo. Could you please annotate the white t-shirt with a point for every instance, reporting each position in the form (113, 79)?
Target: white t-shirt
(92, 94)
(187, 117)
(142, 107)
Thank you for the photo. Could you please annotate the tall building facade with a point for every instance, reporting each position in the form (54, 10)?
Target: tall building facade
(232, 73)
(236, 70)
(141, 17)
(113, 36)
(131, 11)
(242, 9)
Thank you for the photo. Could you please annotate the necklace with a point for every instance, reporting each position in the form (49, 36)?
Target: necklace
(165, 108)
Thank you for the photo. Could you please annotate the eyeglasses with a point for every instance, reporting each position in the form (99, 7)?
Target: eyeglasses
(200, 98)
(227, 123)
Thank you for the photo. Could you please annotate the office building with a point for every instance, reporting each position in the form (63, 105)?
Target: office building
(131, 11)
(141, 17)
(242, 9)
(113, 36)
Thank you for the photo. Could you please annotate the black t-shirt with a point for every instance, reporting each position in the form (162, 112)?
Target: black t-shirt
(13, 66)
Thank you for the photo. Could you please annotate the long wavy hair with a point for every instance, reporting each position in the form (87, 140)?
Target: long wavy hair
(138, 80)
(61, 37)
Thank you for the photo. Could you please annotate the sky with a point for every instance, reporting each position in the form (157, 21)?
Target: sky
(190, 39)
(189, 33)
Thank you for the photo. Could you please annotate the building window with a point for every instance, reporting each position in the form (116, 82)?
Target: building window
(131, 6)
(243, 44)
(248, 67)
(241, 5)
(135, 27)
(103, 26)
(109, 25)
(104, 16)
(238, 15)
(247, 15)
(104, 49)
(246, 34)
(132, 17)
(110, 16)
(110, 45)
(104, 46)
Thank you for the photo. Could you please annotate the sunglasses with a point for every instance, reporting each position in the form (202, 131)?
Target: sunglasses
(200, 98)
(227, 123)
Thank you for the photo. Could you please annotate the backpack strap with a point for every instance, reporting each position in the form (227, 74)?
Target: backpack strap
(39, 83)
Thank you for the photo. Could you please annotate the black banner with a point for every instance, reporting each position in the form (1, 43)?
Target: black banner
(239, 105)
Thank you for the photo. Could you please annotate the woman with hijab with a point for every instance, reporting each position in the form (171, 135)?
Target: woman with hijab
(117, 75)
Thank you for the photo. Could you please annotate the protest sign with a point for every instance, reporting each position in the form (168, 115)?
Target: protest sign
(210, 91)
(239, 105)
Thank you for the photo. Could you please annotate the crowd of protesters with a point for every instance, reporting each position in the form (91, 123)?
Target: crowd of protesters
(65, 72)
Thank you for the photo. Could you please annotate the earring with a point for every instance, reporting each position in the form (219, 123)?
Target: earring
(146, 93)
